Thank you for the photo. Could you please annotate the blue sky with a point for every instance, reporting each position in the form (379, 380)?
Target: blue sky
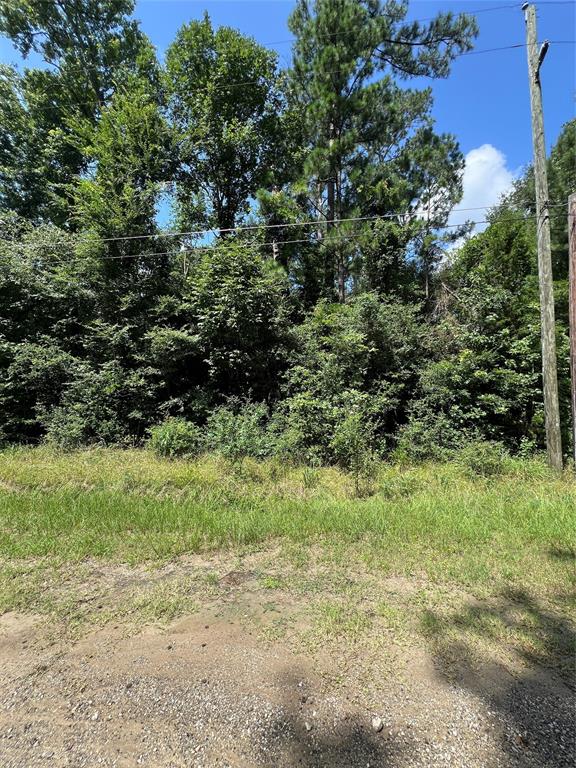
(484, 102)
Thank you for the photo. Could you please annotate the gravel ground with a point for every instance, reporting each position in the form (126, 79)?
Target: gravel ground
(209, 693)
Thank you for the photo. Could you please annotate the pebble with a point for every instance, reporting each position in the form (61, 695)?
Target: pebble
(377, 724)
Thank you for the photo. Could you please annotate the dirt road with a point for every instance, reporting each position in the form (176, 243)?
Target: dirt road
(215, 690)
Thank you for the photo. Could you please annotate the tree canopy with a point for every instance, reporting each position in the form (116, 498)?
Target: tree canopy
(307, 293)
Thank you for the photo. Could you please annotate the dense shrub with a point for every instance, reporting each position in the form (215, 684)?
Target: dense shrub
(361, 358)
(429, 436)
(237, 309)
(483, 458)
(107, 405)
(32, 379)
(66, 428)
(176, 437)
(239, 430)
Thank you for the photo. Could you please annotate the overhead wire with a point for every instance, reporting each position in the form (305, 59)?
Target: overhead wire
(18, 7)
(226, 86)
(100, 103)
(197, 233)
(243, 83)
(244, 245)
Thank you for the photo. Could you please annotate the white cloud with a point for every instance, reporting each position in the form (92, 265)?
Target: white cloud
(486, 178)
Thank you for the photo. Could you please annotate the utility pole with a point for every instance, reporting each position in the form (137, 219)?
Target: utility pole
(572, 309)
(547, 319)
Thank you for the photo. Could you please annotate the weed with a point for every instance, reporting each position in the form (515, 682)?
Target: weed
(391, 615)
(163, 602)
(310, 478)
(333, 620)
(272, 582)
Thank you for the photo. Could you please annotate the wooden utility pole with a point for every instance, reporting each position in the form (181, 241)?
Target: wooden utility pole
(548, 325)
(572, 308)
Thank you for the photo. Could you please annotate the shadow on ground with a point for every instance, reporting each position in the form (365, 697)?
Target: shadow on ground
(519, 657)
(345, 740)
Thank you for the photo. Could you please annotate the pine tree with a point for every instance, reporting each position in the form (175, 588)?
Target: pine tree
(366, 134)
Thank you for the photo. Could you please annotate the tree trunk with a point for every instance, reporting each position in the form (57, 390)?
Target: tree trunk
(330, 216)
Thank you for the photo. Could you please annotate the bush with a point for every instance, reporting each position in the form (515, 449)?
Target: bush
(175, 438)
(429, 437)
(32, 379)
(361, 356)
(66, 429)
(304, 425)
(105, 405)
(483, 458)
(240, 430)
(351, 445)
(239, 311)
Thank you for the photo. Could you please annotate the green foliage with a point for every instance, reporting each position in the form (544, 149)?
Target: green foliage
(486, 378)
(240, 430)
(351, 447)
(108, 326)
(428, 435)
(237, 306)
(130, 146)
(483, 458)
(176, 437)
(86, 46)
(32, 379)
(561, 184)
(87, 40)
(226, 134)
(362, 357)
(103, 406)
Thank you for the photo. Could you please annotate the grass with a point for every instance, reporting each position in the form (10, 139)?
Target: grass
(128, 506)
(164, 601)
(437, 552)
(334, 620)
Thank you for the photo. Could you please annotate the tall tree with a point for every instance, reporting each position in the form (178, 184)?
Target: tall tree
(372, 148)
(83, 40)
(129, 155)
(225, 105)
(83, 44)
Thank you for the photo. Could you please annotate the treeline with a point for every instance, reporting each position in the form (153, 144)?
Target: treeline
(315, 301)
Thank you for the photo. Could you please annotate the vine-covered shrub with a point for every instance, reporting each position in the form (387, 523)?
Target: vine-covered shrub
(176, 438)
(239, 430)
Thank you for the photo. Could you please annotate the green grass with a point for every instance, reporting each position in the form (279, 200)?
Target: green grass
(436, 552)
(164, 602)
(128, 506)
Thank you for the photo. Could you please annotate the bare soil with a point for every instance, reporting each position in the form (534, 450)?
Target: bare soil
(246, 680)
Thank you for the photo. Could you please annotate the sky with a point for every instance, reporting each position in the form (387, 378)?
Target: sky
(484, 102)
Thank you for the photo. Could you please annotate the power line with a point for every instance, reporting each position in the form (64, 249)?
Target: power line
(309, 241)
(259, 81)
(24, 6)
(256, 227)
(335, 34)
(405, 21)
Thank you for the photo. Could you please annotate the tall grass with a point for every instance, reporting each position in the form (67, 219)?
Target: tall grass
(438, 519)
